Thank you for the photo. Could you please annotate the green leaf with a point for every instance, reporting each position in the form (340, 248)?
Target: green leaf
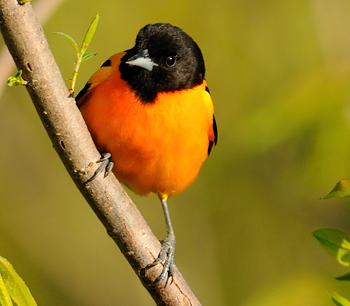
(339, 300)
(336, 242)
(87, 55)
(70, 39)
(5, 299)
(15, 286)
(22, 2)
(16, 79)
(90, 34)
(345, 277)
(340, 190)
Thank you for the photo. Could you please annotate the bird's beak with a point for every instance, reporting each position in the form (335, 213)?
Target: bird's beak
(142, 60)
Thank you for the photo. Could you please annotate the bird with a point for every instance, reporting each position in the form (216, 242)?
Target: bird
(150, 113)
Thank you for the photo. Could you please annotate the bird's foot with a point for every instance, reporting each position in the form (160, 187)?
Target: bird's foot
(166, 257)
(105, 165)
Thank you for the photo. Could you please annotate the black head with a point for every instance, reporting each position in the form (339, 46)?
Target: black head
(163, 59)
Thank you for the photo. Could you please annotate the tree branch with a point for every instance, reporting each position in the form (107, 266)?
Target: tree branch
(63, 122)
(43, 9)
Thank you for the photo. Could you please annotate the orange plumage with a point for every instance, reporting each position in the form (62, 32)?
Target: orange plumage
(157, 147)
(150, 108)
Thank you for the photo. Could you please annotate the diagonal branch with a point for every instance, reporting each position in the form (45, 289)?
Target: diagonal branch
(43, 9)
(63, 122)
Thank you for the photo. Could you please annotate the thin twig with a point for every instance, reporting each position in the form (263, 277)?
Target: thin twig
(26, 41)
(78, 61)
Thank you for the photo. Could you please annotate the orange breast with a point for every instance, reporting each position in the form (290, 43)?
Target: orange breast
(156, 147)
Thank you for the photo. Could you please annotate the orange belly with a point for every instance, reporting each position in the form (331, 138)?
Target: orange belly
(156, 147)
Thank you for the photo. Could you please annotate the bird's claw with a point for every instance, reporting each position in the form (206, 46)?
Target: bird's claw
(166, 257)
(105, 165)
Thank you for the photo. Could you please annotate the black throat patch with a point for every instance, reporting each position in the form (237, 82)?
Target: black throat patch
(178, 62)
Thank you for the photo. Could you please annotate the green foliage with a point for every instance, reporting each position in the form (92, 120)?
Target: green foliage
(345, 277)
(90, 33)
(12, 287)
(82, 53)
(16, 79)
(22, 2)
(336, 241)
(87, 55)
(71, 40)
(5, 298)
(339, 300)
(340, 190)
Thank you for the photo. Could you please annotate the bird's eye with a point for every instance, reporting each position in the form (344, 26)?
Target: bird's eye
(170, 61)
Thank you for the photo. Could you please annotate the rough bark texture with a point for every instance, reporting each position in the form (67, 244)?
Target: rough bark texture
(26, 41)
(43, 9)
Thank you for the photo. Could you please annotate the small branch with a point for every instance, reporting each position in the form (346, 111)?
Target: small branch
(82, 52)
(75, 74)
(44, 9)
(71, 139)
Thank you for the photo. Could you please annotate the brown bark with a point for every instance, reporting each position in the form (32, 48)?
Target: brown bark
(43, 9)
(64, 124)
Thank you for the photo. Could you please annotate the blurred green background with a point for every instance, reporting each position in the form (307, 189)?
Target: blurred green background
(279, 73)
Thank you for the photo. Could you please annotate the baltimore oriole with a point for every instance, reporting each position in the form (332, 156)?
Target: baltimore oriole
(149, 110)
